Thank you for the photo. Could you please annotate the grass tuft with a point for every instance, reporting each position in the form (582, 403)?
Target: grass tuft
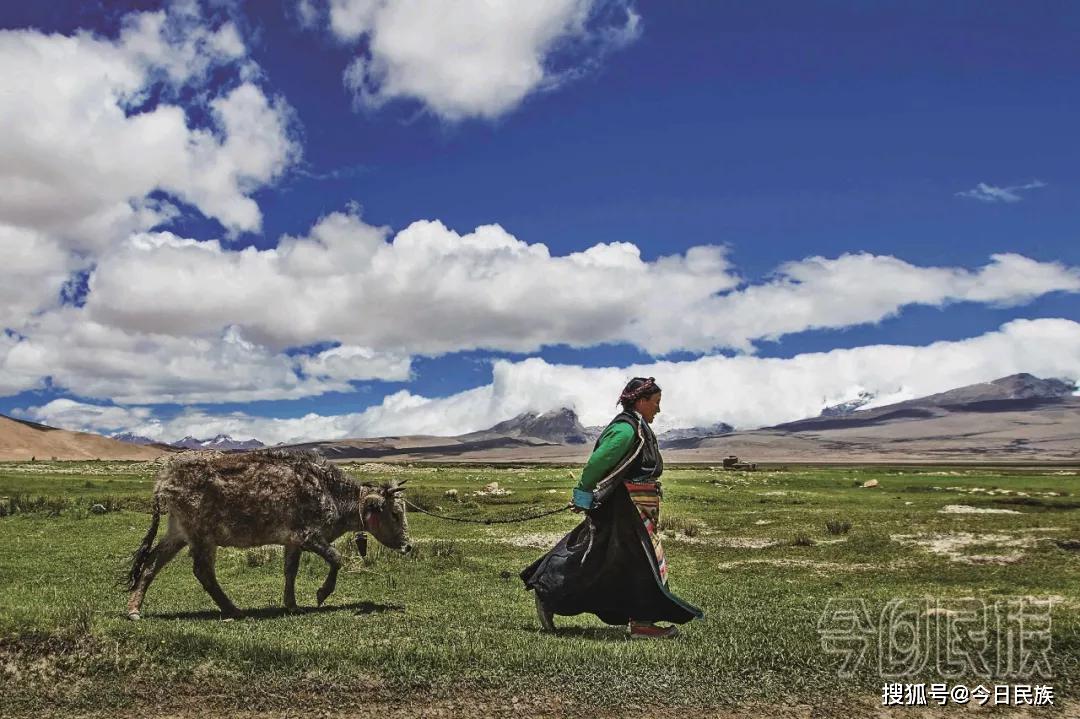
(838, 526)
(689, 527)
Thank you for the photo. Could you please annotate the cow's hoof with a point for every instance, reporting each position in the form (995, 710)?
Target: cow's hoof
(320, 597)
(232, 614)
(134, 616)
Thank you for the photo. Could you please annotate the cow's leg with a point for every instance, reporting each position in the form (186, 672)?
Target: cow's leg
(160, 555)
(292, 564)
(203, 556)
(320, 546)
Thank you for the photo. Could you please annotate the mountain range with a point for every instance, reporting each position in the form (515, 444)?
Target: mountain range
(220, 442)
(1016, 418)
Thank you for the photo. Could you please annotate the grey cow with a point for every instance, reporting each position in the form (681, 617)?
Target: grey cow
(295, 499)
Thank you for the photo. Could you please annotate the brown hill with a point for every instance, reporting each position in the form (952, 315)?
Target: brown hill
(21, 441)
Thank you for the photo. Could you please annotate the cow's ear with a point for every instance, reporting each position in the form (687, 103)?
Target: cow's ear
(373, 503)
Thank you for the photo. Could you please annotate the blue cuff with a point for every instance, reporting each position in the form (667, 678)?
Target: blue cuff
(583, 499)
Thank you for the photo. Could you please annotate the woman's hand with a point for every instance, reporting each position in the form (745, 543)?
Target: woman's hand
(582, 500)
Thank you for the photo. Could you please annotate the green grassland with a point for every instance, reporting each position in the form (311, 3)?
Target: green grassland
(452, 621)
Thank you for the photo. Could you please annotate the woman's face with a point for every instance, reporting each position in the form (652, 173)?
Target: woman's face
(648, 407)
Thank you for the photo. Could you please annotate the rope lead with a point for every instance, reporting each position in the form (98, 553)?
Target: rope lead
(490, 521)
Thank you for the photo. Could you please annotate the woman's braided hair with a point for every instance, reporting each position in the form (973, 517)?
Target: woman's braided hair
(636, 389)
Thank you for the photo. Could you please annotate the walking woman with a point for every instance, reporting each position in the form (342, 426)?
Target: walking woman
(612, 564)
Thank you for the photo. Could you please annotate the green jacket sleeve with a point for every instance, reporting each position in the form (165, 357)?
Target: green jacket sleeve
(615, 442)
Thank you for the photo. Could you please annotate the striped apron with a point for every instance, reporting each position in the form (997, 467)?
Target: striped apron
(646, 498)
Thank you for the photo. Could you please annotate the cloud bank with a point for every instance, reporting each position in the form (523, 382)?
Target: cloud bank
(429, 290)
(171, 319)
(744, 391)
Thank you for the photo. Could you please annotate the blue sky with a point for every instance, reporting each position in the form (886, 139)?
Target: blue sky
(925, 140)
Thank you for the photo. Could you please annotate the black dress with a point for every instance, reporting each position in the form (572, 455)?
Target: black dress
(612, 564)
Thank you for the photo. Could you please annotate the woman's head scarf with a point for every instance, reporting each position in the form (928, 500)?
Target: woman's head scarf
(636, 389)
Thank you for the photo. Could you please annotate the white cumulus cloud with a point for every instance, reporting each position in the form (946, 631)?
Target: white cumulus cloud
(92, 129)
(131, 367)
(85, 417)
(430, 290)
(854, 289)
(471, 58)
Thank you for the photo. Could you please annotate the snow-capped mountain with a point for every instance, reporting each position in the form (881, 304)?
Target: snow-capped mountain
(132, 438)
(687, 432)
(560, 426)
(221, 442)
(845, 408)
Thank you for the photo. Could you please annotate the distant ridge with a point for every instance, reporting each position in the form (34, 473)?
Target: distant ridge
(1019, 418)
(1016, 392)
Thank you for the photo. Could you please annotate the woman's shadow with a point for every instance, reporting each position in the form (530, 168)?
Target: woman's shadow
(593, 634)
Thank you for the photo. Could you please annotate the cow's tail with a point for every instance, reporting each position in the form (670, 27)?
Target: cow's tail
(138, 560)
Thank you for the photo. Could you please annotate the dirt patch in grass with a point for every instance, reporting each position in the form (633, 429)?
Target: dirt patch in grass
(955, 546)
(377, 467)
(728, 542)
(822, 567)
(968, 509)
(537, 540)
